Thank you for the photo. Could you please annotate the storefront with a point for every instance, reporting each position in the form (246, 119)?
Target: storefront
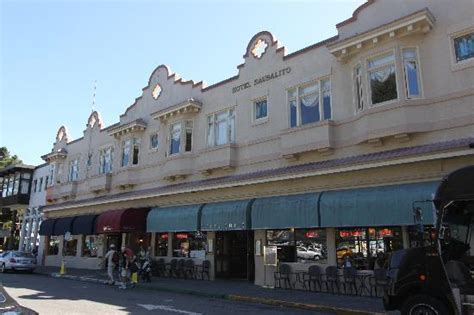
(124, 227)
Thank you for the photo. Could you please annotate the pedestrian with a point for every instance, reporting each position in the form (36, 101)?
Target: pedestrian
(111, 257)
(127, 257)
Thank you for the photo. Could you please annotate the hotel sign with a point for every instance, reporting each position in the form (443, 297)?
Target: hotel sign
(261, 79)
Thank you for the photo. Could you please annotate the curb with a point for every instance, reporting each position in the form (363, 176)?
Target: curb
(231, 297)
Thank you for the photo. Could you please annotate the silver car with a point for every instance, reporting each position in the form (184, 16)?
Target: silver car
(15, 260)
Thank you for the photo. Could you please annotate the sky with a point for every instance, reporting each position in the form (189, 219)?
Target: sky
(52, 52)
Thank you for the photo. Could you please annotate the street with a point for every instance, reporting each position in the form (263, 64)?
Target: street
(58, 296)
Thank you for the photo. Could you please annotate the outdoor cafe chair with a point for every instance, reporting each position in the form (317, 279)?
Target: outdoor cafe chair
(172, 271)
(349, 275)
(332, 279)
(379, 280)
(315, 277)
(283, 273)
(181, 268)
(189, 269)
(204, 269)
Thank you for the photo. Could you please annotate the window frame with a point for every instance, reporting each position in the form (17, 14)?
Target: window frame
(299, 95)
(73, 174)
(231, 134)
(182, 137)
(362, 87)
(102, 156)
(456, 35)
(368, 70)
(419, 76)
(254, 109)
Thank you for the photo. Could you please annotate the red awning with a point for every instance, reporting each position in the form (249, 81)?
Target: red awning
(122, 221)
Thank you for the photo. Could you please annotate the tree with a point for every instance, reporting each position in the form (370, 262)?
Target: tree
(6, 159)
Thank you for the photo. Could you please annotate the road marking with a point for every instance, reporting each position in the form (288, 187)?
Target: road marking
(152, 307)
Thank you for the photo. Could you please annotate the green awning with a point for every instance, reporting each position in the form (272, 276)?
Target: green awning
(283, 212)
(377, 206)
(226, 216)
(174, 219)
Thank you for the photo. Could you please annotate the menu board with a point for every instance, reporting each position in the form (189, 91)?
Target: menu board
(270, 255)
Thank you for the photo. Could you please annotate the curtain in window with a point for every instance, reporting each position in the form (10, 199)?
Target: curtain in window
(175, 138)
(221, 136)
(383, 84)
(326, 91)
(309, 105)
(210, 130)
(412, 78)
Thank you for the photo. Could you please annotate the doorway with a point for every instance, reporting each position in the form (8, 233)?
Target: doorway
(235, 255)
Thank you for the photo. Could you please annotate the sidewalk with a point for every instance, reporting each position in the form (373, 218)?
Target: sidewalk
(240, 291)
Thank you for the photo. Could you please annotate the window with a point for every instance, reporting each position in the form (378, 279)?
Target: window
(126, 145)
(189, 244)
(70, 248)
(105, 161)
(309, 103)
(221, 128)
(382, 78)
(300, 245)
(35, 184)
(464, 47)
(46, 182)
(16, 184)
(130, 149)
(25, 183)
(53, 245)
(178, 132)
(51, 174)
(89, 159)
(361, 246)
(89, 246)
(40, 184)
(412, 75)
(161, 244)
(359, 88)
(154, 141)
(73, 170)
(260, 109)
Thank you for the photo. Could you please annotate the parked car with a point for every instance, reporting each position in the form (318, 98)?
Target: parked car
(16, 260)
(305, 253)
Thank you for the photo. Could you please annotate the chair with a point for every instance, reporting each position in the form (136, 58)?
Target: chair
(181, 268)
(189, 269)
(315, 277)
(332, 278)
(380, 279)
(172, 271)
(349, 275)
(283, 274)
(204, 269)
(160, 267)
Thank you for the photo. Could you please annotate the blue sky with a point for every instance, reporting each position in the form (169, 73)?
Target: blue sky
(52, 51)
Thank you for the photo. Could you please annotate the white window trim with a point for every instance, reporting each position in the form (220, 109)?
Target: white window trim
(214, 114)
(463, 64)
(122, 147)
(255, 120)
(420, 76)
(70, 175)
(397, 77)
(298, 95)
(103, 149)
(354, 88)
(182, 141)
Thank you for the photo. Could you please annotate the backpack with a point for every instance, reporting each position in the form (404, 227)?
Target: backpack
(115, 258)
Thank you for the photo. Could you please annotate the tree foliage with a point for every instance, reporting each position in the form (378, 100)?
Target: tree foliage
(6, 159)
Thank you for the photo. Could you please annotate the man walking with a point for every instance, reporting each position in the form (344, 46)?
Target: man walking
(111, 257)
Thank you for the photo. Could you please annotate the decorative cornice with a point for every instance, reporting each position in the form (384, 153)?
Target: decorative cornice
(138, 125)
(421, 21)
(55, 155)
(189, 106)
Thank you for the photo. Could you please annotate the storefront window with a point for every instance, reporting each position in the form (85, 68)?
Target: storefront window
(419, 235)
(70, 248)
(89, 246)
(189, 244)
(284, 240)
(161, 244)
(311, 245)
(53, 245)
(360, 247)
